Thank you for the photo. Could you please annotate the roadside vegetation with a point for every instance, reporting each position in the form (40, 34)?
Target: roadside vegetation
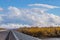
(43, 32)
(2, 29)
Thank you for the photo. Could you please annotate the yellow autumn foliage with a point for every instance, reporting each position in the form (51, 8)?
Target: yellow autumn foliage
(41, 32)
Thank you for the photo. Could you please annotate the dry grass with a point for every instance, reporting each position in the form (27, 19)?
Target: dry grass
(2, 29)
(41, 32)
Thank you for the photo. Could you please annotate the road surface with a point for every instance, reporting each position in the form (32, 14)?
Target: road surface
(14, 35)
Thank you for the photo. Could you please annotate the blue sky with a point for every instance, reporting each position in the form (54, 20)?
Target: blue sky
(29, 12)
(21, 3)
(24, 3)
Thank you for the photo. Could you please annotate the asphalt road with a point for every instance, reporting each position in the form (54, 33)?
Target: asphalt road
(14, 35)
(21, 36)
(3, 35)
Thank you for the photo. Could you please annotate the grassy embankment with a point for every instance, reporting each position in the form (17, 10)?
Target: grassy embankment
(41, 32)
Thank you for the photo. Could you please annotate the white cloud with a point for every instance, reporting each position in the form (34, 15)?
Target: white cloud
(32, 17)
(1, 18)
(35, 16)
(14, 10)
(13, 26)
(44, 5)
(1, 9)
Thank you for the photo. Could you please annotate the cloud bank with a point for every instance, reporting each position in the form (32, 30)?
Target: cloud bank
(44, 5)
(16, 17)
